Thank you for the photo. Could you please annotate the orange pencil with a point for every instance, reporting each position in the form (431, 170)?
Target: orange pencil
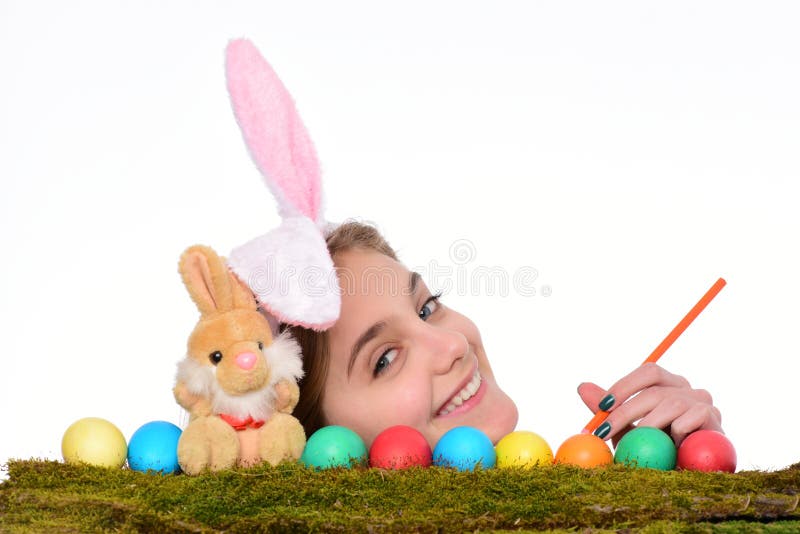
(659, 351)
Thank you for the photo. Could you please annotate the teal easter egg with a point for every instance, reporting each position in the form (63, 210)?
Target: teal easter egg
(646, 446)
(334, 446)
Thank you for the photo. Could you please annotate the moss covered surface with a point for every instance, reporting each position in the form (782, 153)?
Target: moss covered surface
(52, 496)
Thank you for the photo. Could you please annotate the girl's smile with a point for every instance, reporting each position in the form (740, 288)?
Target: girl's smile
(465, 398)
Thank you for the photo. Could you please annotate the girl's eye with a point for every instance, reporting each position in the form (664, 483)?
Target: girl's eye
(384, 361)
(430, 306)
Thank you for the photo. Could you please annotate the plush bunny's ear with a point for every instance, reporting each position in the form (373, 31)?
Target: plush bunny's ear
(207, 279)
(288, 269)
(241, 295)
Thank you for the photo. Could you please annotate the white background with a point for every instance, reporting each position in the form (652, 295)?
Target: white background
(630, 152)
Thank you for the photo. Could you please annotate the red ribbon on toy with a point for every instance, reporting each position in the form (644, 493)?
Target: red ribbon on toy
(242, 424)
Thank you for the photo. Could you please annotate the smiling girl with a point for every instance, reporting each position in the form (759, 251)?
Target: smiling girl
(399, 355)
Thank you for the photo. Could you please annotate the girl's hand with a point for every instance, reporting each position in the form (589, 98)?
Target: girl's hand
(660, 399)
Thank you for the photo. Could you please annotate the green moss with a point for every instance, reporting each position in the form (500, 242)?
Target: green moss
(47, 495)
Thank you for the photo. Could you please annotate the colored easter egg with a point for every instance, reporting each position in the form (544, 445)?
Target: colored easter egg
(584, 450)
(94, 441)
(399, 447)
(464, 448)
(154, 447)
(646, 446)
(707, 450)
(334, 446)
(524, 449)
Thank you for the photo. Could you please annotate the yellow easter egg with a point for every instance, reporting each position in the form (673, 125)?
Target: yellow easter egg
(94, 441)
(524, 449)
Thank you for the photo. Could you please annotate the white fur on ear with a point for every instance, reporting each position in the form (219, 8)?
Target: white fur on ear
(291, 274)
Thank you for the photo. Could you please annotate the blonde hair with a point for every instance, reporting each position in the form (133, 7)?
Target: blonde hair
(316, 350)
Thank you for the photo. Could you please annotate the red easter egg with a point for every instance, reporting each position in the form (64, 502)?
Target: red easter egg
(399, 447)
(707, 450)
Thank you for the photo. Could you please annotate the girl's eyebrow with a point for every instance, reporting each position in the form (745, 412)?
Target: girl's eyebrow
(365, 338)
(373, 331)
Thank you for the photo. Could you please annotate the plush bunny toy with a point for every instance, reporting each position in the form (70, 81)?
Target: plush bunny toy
(238, 381)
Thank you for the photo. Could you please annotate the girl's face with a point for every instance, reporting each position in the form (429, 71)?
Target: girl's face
(399, 356)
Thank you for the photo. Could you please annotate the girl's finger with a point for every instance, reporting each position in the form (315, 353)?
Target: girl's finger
(591, 395)
(697, 417)
(645, 376)
(668, 410)
(631, 411)
(624, 416)
(653, 407)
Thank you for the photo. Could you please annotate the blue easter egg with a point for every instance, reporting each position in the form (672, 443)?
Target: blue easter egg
(154, 447)
(464, 448)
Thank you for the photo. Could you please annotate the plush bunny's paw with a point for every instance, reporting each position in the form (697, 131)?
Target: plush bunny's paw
(207, 443)
(196, 405)
(282, 438)
(287, 393)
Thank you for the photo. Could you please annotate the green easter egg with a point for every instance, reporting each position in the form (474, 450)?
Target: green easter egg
(334, 446)
(646, 446)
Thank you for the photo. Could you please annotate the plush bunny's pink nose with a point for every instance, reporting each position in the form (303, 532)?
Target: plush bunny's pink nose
(246, 360)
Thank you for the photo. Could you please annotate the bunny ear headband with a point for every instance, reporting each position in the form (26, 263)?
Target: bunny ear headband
(289, 268)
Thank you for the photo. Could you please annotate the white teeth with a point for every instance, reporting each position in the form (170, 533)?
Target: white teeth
(466, 393)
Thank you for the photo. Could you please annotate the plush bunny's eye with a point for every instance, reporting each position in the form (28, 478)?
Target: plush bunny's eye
(215, 357)
(260, 346)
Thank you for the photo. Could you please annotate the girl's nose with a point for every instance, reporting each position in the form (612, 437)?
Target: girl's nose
(447, 347)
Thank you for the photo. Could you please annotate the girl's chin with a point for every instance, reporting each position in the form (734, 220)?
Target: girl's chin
(504, 420)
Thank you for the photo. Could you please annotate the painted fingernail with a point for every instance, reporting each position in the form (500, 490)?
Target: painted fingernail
(603, 430)
(607, 402)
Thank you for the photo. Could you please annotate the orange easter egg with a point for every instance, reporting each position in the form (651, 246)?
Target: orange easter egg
(584, 450)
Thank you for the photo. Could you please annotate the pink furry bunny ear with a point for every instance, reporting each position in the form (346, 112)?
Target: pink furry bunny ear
(289, 268)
